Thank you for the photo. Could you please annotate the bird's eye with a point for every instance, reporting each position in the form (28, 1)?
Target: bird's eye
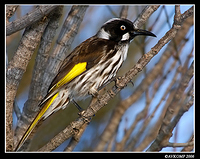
(122, 27)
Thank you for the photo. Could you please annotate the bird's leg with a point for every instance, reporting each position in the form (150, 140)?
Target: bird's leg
(116, 79)
(105, 84)
(77, 106)
(81, 111)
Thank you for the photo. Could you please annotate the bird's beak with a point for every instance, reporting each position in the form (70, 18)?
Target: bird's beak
(137, 32)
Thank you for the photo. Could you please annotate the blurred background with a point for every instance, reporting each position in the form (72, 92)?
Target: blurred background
(159, 23)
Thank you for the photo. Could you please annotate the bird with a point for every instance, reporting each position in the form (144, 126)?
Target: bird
(88, 67)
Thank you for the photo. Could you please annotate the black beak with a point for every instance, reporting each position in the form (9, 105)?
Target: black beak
(137, 32)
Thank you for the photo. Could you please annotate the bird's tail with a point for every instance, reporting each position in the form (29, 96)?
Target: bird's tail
(35, 121)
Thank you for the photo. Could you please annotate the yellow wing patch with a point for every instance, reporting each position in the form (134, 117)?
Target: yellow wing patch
(75, 71)
(36, 120)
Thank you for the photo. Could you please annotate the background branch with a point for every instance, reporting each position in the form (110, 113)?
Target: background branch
(189, 147)
(17, 67)
(28, 19)
(10, 10)
(168, 125)
(35, 91)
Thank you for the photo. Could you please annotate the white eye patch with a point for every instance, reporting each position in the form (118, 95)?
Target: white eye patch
(103, 34)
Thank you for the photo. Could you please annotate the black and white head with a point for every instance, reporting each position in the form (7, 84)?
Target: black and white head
(118, 29)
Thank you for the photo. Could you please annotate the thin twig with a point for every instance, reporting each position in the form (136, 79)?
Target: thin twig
(76, 137)
(180, 144)
(17, 110)
(10, 10)
(189, 147)
(124, 12)
(146, 13)
(111, 11)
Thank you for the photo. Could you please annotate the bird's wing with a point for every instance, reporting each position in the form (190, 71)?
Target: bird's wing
(89, 52)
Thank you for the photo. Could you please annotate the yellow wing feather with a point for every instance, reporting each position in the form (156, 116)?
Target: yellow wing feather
(36, 120)
(75, 71)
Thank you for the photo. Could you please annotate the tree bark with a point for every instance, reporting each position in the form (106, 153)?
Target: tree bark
(16, 68)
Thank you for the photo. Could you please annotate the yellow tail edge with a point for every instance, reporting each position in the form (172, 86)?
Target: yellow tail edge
(35, 121)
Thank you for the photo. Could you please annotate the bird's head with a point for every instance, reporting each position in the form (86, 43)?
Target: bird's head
(118, 29)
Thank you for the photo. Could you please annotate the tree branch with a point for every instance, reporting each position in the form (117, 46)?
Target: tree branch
(189, 147)
(28, 19)
(10, 10)
(17, 67)
(166, 128)
(35, 93)
(180, 144)
(146, 13)
(124, 12)
(76, 137)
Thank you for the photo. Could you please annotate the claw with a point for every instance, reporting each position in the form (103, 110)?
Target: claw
(132, 82)
(117, 82)
(105, 84)
(86, 119)
(94, 92)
